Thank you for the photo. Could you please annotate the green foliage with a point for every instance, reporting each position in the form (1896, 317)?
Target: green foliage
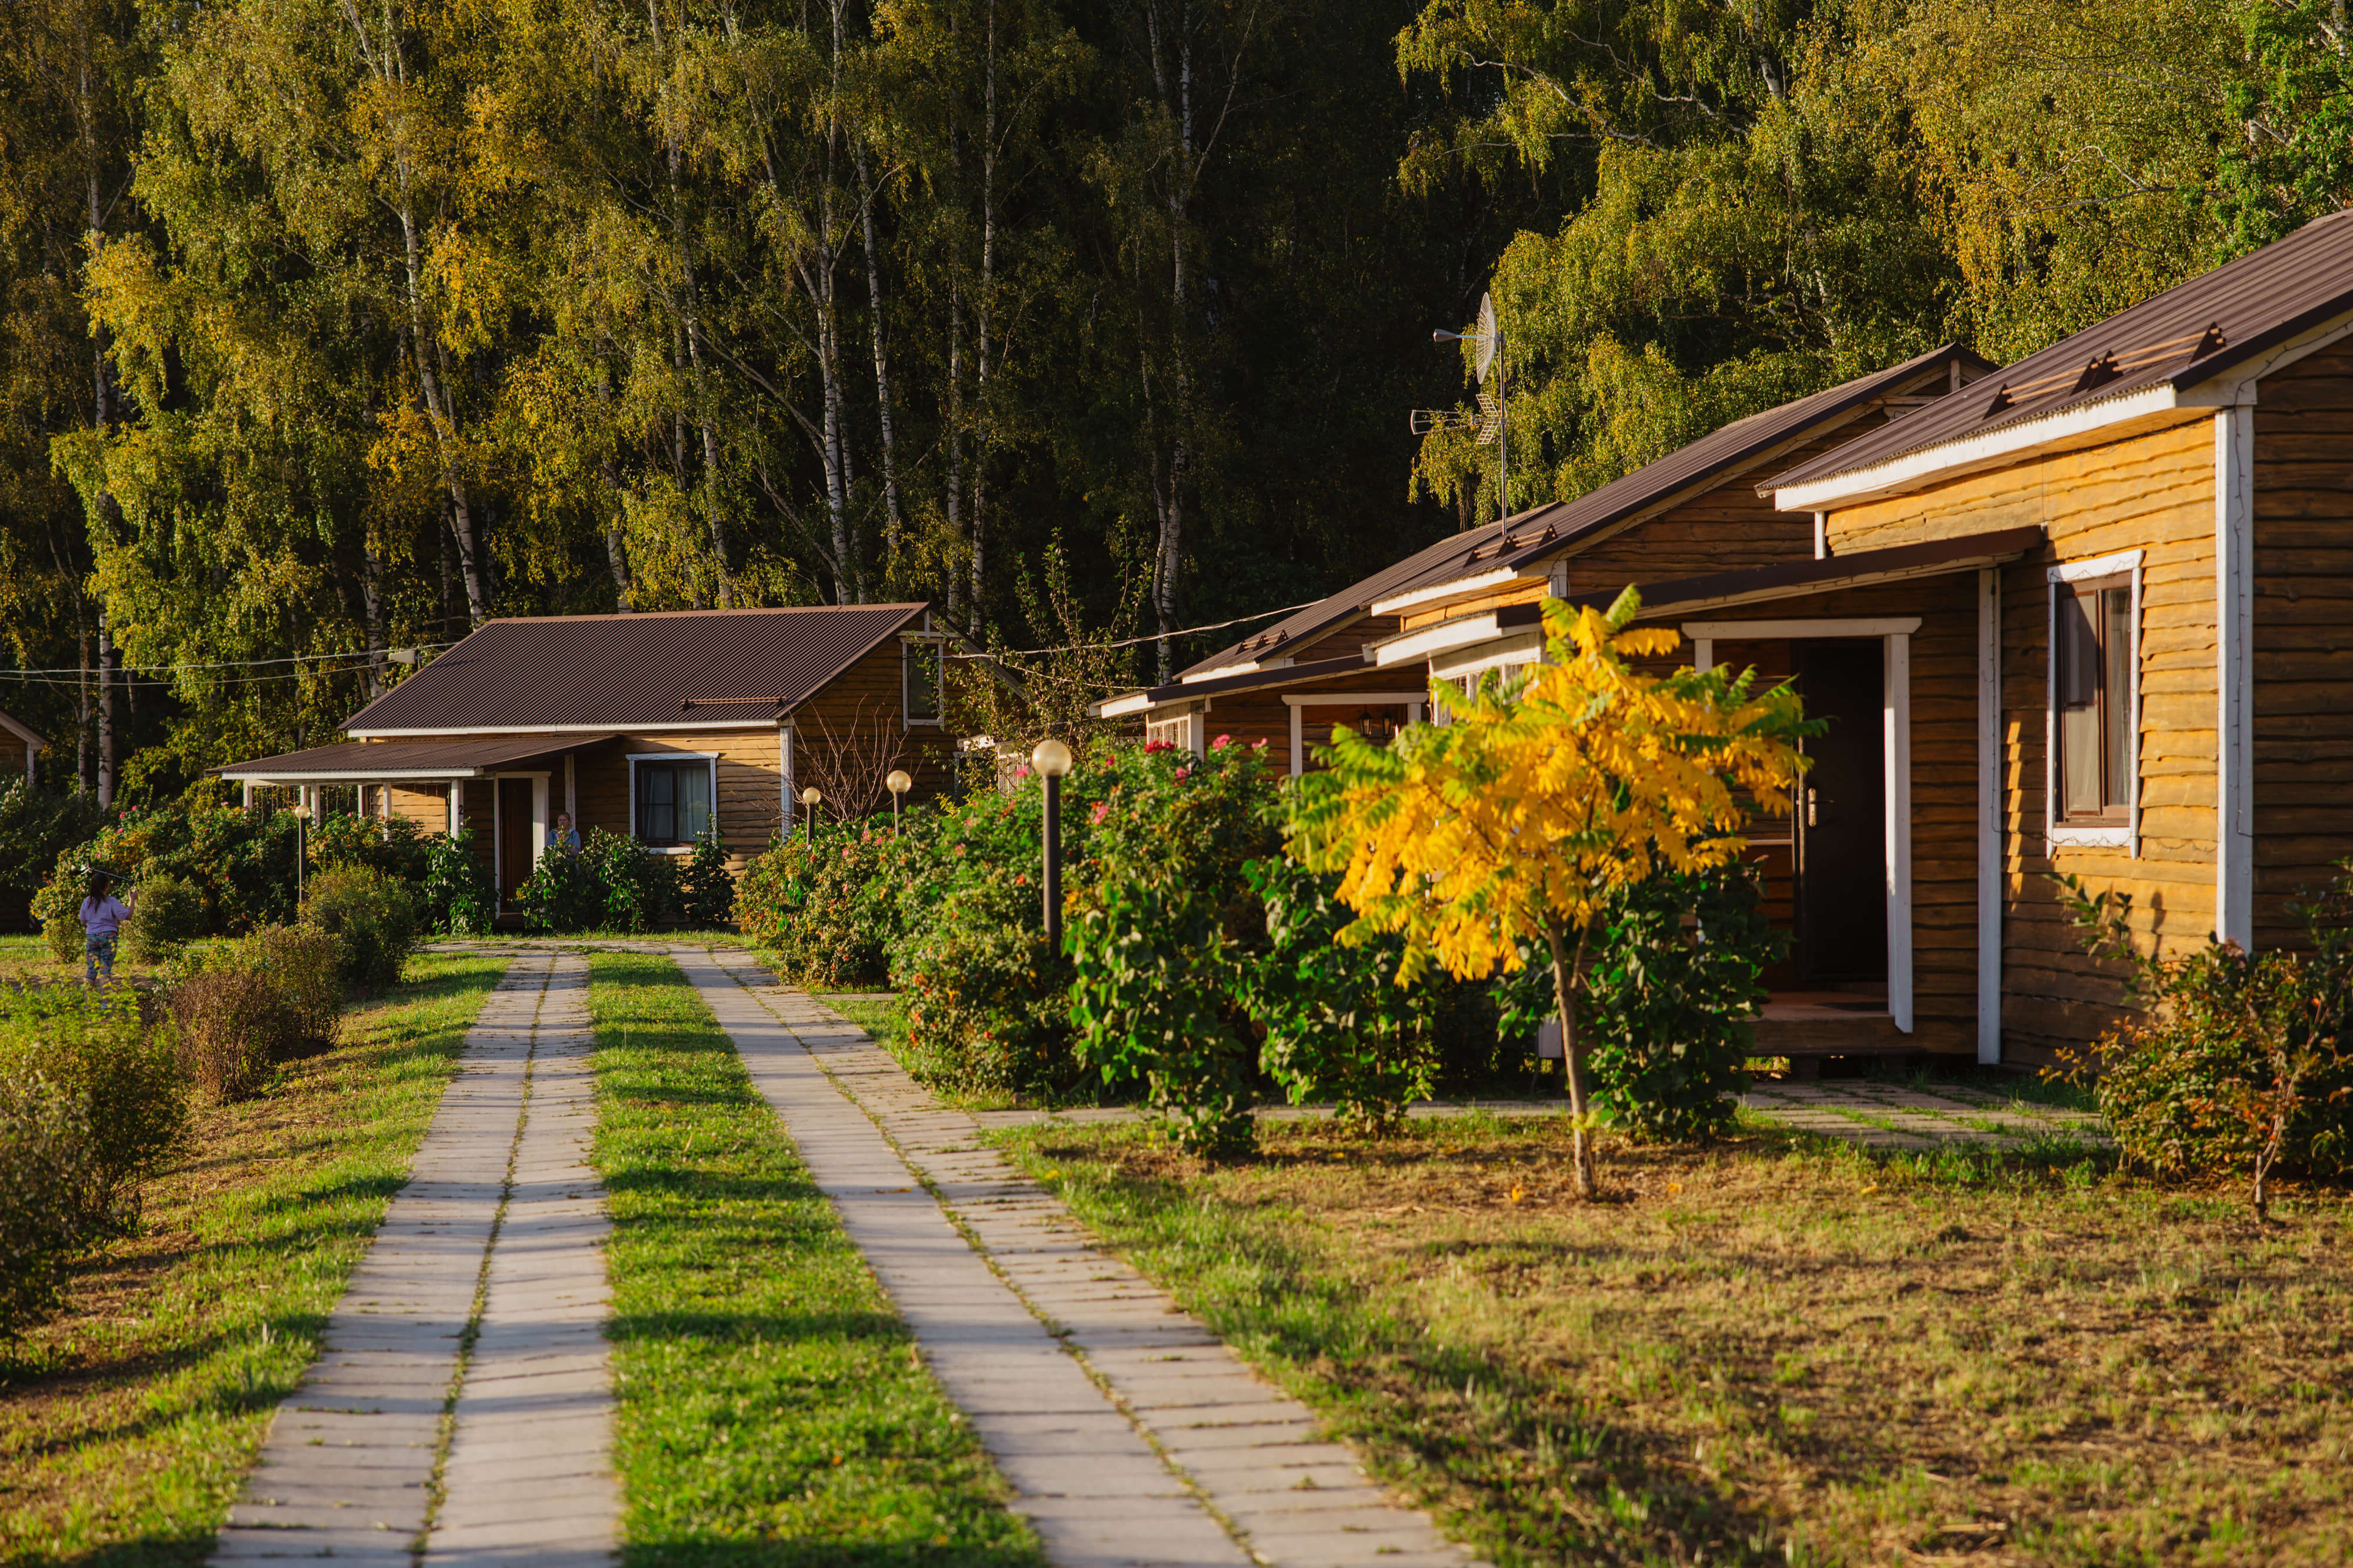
(460, 895)
(48, 1168)
(168, 914)
(1673, 974)
(986, 1002)
(239, 863)
(36, 827)
(122, 1074)
(1338, 1028)
(58, 907)
(2226, 1060)
(706, 893)
(394, 846)
(563, 894)
(1159, 935)
(271, 996)
(372, 916)
(2294, 96)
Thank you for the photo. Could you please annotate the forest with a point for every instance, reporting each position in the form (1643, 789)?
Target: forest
(336, 327)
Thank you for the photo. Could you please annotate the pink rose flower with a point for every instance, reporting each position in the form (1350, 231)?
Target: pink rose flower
(1221, 742)
(1152, 746)
(1184, 771)
(1103, 809)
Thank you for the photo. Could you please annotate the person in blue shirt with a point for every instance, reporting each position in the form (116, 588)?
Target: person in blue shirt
(562, 836)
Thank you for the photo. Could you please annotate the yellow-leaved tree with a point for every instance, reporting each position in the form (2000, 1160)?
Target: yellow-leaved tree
(1513, 822)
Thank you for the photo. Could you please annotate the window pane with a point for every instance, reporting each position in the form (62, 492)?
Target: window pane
(922, 681)
(657, 819)
(693, 799)
(2078, 654)
(2117, 639)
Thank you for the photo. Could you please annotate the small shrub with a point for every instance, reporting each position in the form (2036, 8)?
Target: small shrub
(986, 1010)
(706, 891)
(2228, 1062)
(124, 1075)
(1338, 1028)
(563, 894)
(169, 913)
(638, 888)
(58, 906)
(460, 895)
(307, 966)
(232, 1024)
(372, 916)
(47, 1169)
(1162, 934)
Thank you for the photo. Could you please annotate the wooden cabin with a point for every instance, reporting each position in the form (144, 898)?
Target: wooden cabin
(660, 726)
(2079, 618)
(31, 740)
(1696, 509)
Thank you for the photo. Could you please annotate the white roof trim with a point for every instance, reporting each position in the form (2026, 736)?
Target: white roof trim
(1449, 590)
(654, 727)
(1342, 699)
(2115, 565)
(1120, 707)
(18, 729)
(1223, 670)
(1438, 639)
(349, 776)
(1816, 627)
(2007, 441)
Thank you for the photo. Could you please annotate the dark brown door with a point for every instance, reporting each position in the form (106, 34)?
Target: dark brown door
(514, 835)
(1842, 816)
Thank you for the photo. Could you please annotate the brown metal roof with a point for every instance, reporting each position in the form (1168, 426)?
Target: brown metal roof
(1789, 579)
(1288, 675)
(2192, 332)
(422, 760)
(673, 669)
(1543, 531)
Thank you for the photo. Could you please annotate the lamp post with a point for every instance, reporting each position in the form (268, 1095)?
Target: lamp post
(302, 820)
(1052, 759)
(810, 797)
(899, 783)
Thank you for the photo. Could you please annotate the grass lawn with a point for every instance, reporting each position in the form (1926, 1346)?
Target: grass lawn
(126, 1424)
(773, 1409)
(1774, 1351)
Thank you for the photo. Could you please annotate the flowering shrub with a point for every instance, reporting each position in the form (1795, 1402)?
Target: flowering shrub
(459, 896)
(241, 864)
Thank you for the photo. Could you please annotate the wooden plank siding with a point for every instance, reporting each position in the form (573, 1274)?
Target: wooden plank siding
(1944, 662)
(2153, 492)
(865, 699)
(2304, 635)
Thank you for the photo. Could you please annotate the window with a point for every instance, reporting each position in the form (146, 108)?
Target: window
(1176, 731)
(923, 667)
(673, 800)
(2092, 700)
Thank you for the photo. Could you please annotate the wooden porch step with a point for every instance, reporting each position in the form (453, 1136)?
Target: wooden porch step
(1808, 1029)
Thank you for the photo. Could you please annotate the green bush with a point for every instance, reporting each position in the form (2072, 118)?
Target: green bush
(563, 894)
(373, 918)
(58, 907)
(168, 914)
(268, 998)
(706, 891)
(47, 1169)
(240, 863)
(460, 895)
(1338, 1028)
(986, 1000)
(1163, 928)
(123, 1074)
(394, 846)
(613, 883)
(2227, 1061)
(36, 827)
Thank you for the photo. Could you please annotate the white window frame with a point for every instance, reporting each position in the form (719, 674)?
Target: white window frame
(1295, 700)
(1192, 726)
(635, 758)
(908, 642)
(2059, 834)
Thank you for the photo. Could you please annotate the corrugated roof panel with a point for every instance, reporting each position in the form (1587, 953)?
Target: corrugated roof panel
(2194, 332)
(633, 672)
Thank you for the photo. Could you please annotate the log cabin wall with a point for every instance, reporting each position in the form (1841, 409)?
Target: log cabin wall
(2304, 635)
(2153, 492)
(861, 715)
(1944, 712)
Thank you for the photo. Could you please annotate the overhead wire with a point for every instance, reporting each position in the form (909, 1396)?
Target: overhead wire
(1131, 642)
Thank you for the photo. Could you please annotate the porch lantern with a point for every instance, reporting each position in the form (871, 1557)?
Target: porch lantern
(1052, 759)
(897, 782)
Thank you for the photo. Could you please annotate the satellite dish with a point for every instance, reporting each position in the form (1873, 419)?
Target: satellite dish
(1486, 336)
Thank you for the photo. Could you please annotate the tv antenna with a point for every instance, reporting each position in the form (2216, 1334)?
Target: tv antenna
(1493, 419)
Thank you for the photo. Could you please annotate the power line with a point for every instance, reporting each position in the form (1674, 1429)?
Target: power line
(1131, 642)
(240, 663)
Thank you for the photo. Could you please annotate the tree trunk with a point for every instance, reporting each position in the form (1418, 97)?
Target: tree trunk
(1566, 969)
(983, 314)
(892, 524)
(106, 737)
(954, 457)
(616, 554)
(372, 600)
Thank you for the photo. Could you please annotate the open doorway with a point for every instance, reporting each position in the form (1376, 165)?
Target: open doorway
(1841, 822)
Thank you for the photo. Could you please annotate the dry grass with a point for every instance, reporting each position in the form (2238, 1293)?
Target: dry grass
(126, 1424)
(1774, 1351)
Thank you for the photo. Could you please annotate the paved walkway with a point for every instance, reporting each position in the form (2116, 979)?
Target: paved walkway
(1131, 1435)
(409, 1443)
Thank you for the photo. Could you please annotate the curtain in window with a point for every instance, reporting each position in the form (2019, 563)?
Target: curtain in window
(693, 801)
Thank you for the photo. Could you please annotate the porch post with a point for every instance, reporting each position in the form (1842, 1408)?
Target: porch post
(571, 799)
(2234, 639)
(1897, 709)
(1298, 736)
(1991, 814)
(456, 806)
(788, 794)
